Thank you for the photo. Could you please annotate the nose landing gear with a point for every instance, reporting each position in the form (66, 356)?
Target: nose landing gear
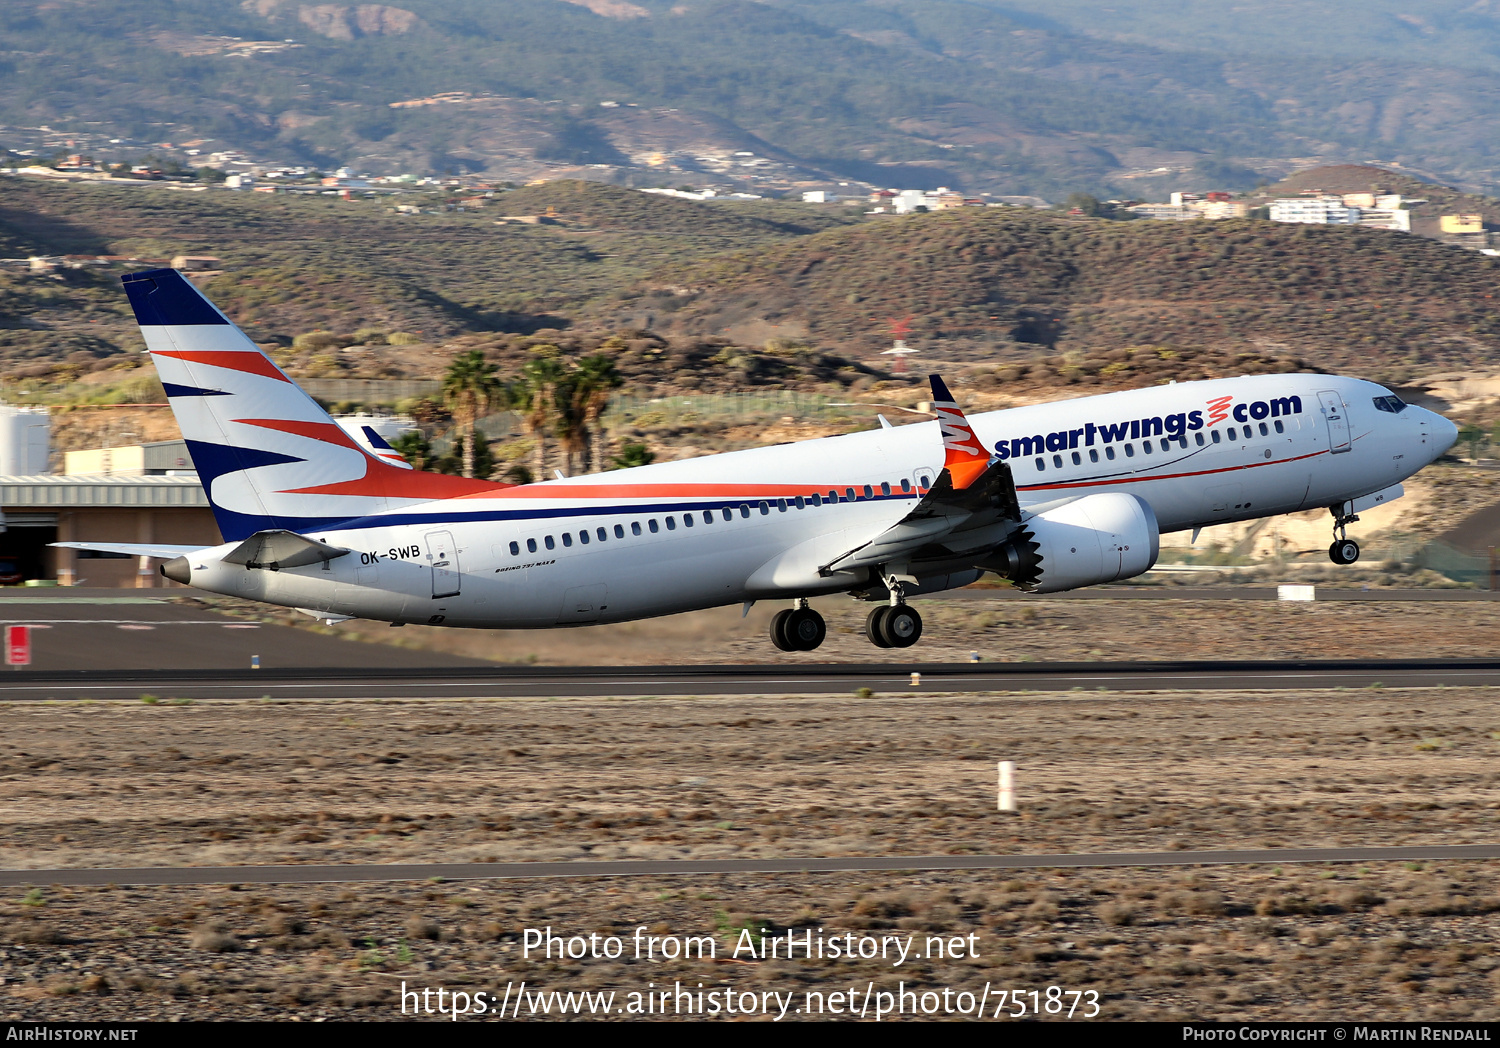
(1344, 549)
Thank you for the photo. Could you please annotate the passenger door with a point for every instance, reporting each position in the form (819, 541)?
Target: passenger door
(1338, 422)
(444, 559)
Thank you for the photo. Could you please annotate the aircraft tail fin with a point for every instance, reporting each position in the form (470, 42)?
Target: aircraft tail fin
(269, 457)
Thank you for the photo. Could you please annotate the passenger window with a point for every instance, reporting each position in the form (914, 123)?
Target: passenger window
(1057, 461)
(708, 516)
(764, 509)
(1109, 453)
(567, 538)
(1146, 446)
(869, 492)
(652, 525)
(583, 537)
(1041, 464)
(1231, 433)
(671, 523)
(905, 486)
(1077, 459)
(1279, 427)
(744, 510)
(1216, 436)
(1264, 431)
(1130, 451)
(800, 503)
(728, 513)
(687, 520)
(817, 500)
(531, 545)
(885, 487)
(926, 481)
(849, 495)
(635, 527)
(781, 505)
(601, 533)
(549, 543)
(1093, 454)
(1198, 437)
(619, 531)
(515, 549)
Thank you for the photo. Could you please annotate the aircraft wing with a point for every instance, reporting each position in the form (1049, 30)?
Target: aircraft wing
(134, 549)
(969, 507)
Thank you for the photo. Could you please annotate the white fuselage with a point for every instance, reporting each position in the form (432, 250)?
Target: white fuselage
(727, 528)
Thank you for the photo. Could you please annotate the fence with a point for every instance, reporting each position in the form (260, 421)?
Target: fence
(650, 411)
(370, 390)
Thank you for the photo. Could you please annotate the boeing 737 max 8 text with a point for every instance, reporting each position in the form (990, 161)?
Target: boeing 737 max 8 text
(1051, 497)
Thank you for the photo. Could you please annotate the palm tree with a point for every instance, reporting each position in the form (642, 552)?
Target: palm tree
(537, 397)
(596, 376)
(469, 388)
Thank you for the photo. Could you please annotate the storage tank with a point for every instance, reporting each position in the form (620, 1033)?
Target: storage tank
(25, 440)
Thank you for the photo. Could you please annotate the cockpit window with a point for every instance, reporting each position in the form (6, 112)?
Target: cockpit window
(1395, 405)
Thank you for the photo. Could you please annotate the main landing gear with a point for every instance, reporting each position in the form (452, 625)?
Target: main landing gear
(1344, 549)
(798, 628)
(893, 625)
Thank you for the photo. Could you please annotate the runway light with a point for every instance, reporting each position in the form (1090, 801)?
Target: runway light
(916, 680)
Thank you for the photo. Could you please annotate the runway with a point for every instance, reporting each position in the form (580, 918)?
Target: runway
(206, 875)
(501, 682)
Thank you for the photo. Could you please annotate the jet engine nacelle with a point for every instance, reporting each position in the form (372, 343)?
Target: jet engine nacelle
(1099, 538)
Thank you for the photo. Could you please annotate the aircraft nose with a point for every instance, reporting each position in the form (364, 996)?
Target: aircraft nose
(1444, 433)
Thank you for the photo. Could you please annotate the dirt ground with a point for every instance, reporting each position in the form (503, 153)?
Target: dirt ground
(212, 783)
(999, 630)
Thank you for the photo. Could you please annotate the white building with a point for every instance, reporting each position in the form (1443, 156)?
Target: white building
(1319, 210)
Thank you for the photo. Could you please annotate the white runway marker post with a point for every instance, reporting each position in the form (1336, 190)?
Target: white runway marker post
(1007, 785)
(916, 680)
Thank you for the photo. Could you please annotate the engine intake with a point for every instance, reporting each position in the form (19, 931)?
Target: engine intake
(1099, 538)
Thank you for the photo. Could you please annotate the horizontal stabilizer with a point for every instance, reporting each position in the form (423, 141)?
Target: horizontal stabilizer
(277, 549)
(134, 549)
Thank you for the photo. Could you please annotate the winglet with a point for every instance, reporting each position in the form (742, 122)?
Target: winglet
(966, 458)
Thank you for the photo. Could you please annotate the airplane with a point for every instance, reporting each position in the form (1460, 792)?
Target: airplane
(1051, 497)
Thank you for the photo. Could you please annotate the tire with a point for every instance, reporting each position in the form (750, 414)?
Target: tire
(779, 636)
(873, 623)
(901, 627)
(1344, 551)
(804, 629)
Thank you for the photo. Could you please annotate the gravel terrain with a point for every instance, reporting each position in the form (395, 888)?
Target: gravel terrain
(210, 783)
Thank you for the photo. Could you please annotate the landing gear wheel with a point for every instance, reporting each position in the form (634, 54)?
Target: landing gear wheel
(1343, 551)
(804, 629)
(873, 628)
(779, 635)
(901, 627)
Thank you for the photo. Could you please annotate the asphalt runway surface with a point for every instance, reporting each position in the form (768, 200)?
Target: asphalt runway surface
(499, 682)
(122, 644)
(98, 629)
(204, 875)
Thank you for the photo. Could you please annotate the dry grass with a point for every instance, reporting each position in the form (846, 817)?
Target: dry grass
(701, 777)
